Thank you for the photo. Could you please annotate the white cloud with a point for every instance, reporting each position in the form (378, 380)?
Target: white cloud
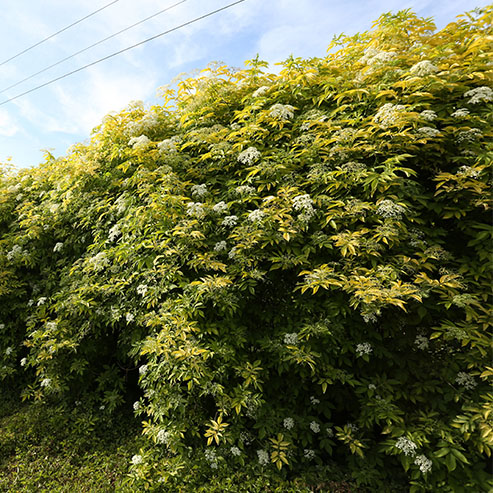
(8, 127)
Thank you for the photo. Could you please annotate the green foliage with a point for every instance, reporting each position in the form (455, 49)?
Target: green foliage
(286, 270)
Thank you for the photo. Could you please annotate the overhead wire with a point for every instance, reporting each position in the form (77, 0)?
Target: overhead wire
(58, 32)
(92, 46)
(122, 51)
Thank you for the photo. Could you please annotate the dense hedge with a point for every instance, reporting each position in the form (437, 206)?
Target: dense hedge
(283, 271)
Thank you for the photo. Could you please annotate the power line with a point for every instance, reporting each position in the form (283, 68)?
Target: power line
(58, 32)
(122, 51)
(93, 45)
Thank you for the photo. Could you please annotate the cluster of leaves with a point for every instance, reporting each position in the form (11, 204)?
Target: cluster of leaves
(290, 270)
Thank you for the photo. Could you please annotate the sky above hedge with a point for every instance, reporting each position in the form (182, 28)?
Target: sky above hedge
(59, 115)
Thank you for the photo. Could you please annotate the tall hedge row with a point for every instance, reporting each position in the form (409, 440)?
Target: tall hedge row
(285, 271)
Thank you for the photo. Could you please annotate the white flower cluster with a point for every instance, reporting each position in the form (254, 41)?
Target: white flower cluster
(42, 301)
(281, 111)
(423, 68)
(256, 216)
(353, 167)
(373, 56)
(139, 143)
(229, 221)
(129, 317)
(309, 454)
(421, 342)
(372, 386)
(199, 191)
(260, 91)
(195, 209)
(143, 369)
(460, 113)
(99, 261)
(428, 115)
(136, 405)
(345, 134)
(468, 172)
(479, 95)
(235, 451)
(466, 380)
(58, 246)
(245, 190)
(388, 114)
(9, 351)
(315, 427)
(15, 252)
(304, 204)
(220, 246)
(167, 146)
(470, 135)
(407, 446)
(249, 156)
(114, 233)
(162, 437)
(291, 339)
(314, 400)
(428, 132)
(46, 382)
(288, 423)
(363, 348)
(211, 457)
(137, 459)
(389, 209)
(142, 289)
(423, 463)
(220, 207)
(263, 457)
(330, 432)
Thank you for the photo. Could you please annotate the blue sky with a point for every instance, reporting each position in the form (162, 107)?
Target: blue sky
(64, 113)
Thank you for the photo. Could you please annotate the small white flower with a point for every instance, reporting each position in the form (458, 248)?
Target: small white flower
(281, 111)
(15, 252)
(429, 132)
(142, 289)
(168, 146)
(199, 191)
(114, 233)
(364, 348)
(466, 380)
(479, 95)
(129, 317)
(468, 172)
(136, 405)
(470, 135)
(315, 427)
(424, 463)
(260, 91)
(421, 342)
(46, 382)
(256, 216)
(291, 339)
(372, 386)
(162, 436)
(309, 454)
(263, 457)
(389, 209)
(9, 351)
(143, 369)
(23, 361)
(428, 115)
(423, 68)
(330, 432)
(249, 156)
(137, 459)
(407, 446)
(229, 221)
(314, 400)
(220, 246)
(220, 207)
(195, 209)
(244, 190)
(460, 113)
(288, 423)
(232, 253)
(210, 455)
(58, 247)
(139, 143)
(235, 451)
(42, 301)
(388, 114)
